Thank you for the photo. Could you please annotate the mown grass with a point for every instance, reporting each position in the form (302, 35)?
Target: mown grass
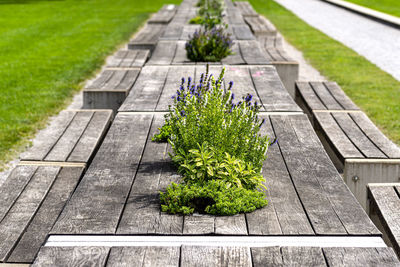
(391, 7)
(47, 48)
(372, 89)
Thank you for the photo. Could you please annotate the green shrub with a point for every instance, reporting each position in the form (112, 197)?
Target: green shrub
(217, 147)
(209, 45)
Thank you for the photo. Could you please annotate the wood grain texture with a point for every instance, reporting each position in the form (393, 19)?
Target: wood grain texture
(260, 25)
(308, 96)
(164, 53)
(326, 97)
(146, 92)
(164, 15)
(340, 96)
(245, 8)
(215, 256)
(24, 209)
(128, 58)
(36, 233)
(98, 201)
(360, 257)
(346, 207)
(242, 32)
(147, 37)
(72, 256)
(114, 80)
(234, 16)
(144, 256)
(253, 53)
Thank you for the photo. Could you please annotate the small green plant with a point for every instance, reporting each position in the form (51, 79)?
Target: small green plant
(210, 13)
(209, 45)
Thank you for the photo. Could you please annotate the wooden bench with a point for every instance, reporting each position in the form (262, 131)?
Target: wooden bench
(124, 58)
(31, 199)
(357, 147)
(288, 68)
(244, 53)
(384, 210)
(233, 16)
(260, 26)
(110, 88)
(164, 15)
(246, 9)
(216, 256)
(119, 192)
(156, 85)
(147, 37)
(73, 136)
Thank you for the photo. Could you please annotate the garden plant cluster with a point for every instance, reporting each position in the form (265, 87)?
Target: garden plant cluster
(211, 43)
(217, 147)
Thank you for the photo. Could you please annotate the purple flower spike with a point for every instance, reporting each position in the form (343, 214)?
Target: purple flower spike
(230, 85)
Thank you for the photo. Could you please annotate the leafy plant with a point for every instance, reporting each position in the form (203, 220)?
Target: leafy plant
(210, 13)
(209, 45)
(217, 147)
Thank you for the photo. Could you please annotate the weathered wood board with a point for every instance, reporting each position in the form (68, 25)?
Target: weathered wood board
(246, 9)
(164, 15)
(215, 256)
(119, 193)
(147, 37)
(384, 210)
(31, 200)
(123, 58)
(109, 89)
(73, 136)
(260, 25)
(261, 81)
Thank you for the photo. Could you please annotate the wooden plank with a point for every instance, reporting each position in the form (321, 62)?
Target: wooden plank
(128, 81)
(147, 37)
(284, 213)
(181, 55)
(260, 25)
(235, 58)
(36, 233)
(252, 53)
(231, 225)
(67, 142)
(325, 96)
(72, 256)
(199, 224)
(13, 186)
(314, 199)
(341, 144)
(173, 31)
(142, 212)
(164, 53)
(340, 96)
(188, 31)
(144, 256)
(245, 8)
(215, 256)
(273, 95)
(269, 45)
(308, 96)
(98, 201)
(100, 80)
(357, 137)
(288, 256)
(91, 137)
(24, 209)
(128, 58)
(387, 203)
(390, 149)
(172, 83)
(164, 15)
(360, 257)
(234, 16)
(110, 80)
(242, 32)
(146, 92)
(46, 138)
(352, 216)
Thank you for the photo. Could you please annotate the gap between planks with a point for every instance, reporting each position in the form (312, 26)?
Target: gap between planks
(244, 241)
(337, 111)
(268, 113)
(383, 184)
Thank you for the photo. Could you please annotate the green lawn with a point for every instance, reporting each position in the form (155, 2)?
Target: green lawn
(391, 7)
(372, 89)
(47, 48)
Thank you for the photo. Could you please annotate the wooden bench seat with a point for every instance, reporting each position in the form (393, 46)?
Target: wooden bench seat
(288, 68)
(216, 256)
(244, 53)
(384, 210)
(31, 199)
(260, 26)
(233, 16)
(73, 136)
(246, 9)
(124, 58)
(109, 89)
(261, 81)
(164, 15)
(147, 37)
(119, 192)
(357, 147)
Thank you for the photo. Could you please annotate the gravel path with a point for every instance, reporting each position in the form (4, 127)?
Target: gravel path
(379, 43)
